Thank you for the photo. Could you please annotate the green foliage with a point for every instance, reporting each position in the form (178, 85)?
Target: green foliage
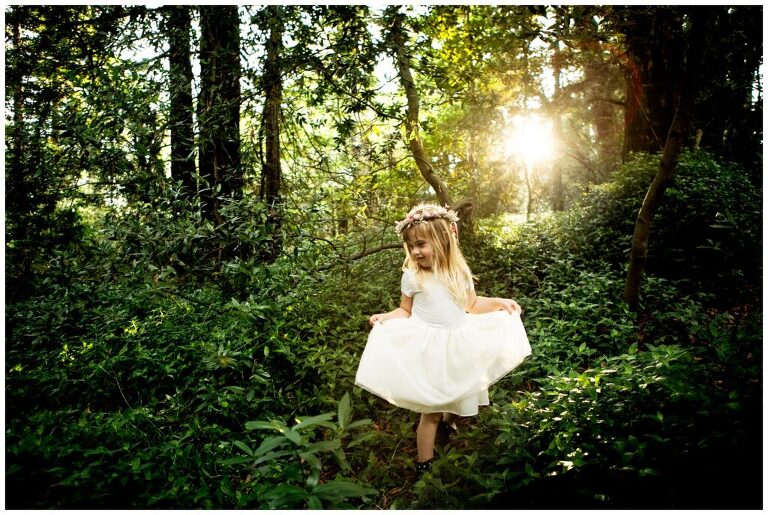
(574, 320)
(607, 420)
(130, 330)
(688, 229)
(705, 235)
(289, 466)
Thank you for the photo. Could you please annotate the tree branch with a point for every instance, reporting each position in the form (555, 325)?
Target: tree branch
(364, 253)
(397, 40)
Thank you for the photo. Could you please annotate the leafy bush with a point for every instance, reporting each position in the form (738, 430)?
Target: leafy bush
(706, 234)
(706, 231)
(599, 427)
(288, 467)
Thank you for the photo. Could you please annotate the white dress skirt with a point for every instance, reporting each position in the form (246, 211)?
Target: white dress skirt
(440, 358)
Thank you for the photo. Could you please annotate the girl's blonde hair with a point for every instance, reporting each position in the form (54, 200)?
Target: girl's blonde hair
(448, 264)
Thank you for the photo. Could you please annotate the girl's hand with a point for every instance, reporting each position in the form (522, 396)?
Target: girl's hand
(378, 317)
(510, 306)
(404, 311)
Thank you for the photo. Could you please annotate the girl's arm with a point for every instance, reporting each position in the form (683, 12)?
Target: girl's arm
(404, 311)
(479, 305)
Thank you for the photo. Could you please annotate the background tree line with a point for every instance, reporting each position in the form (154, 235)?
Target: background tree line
(189, 188)
(103, 105)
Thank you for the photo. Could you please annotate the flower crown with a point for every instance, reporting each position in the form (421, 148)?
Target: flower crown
(424, 213)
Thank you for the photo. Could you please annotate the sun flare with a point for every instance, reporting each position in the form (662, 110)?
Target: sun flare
(531, 138)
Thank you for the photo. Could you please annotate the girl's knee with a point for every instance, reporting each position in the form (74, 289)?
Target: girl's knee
(431, 418)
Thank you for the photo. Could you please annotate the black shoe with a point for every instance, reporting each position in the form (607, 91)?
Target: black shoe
(424, 466)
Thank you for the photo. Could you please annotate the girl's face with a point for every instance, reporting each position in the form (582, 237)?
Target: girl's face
(420, 249)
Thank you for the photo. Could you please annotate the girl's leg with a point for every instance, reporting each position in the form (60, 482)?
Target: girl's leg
(425, 435)
(450, 418)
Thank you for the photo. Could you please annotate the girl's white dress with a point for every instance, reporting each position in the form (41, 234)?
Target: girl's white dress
(440, 358)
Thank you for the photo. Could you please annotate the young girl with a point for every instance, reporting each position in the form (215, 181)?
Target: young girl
(438, 352)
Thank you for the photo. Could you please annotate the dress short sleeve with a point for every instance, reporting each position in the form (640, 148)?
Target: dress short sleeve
(408, 284)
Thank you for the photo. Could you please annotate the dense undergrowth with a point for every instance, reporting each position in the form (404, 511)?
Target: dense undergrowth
(134, 381)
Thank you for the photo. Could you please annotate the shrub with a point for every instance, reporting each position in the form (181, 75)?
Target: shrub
(287, 472)
(706, 234)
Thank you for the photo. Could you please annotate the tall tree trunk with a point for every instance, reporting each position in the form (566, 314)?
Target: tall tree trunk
(672, 149)
(219, 108)
(178, 26)
(17, 188)
(271, 173)
(599, 71)
(396, 36)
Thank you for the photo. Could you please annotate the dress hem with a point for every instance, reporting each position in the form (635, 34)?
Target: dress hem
(417, 408)
(447, 407)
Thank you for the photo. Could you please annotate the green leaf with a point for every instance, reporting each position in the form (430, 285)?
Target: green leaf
(236, 461)
(314, 421)
(272, 456)
(293, 436)
(529, 470)
(313, 460)
(242, 446)
(345, 411)
(329, 445)
(270, 443)
(362, 439)
(341, 458)
(285, 495)
(358, 423)
(314, 503)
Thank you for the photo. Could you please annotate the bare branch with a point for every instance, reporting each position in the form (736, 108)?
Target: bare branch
(363, 254)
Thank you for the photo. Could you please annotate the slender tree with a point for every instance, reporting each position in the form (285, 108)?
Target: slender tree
(396, 39)
(51, 49)
(17, 200)
(728, 113)
(603, 87)
(272, 84)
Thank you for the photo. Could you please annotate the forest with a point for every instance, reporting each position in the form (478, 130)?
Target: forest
(200, 209)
